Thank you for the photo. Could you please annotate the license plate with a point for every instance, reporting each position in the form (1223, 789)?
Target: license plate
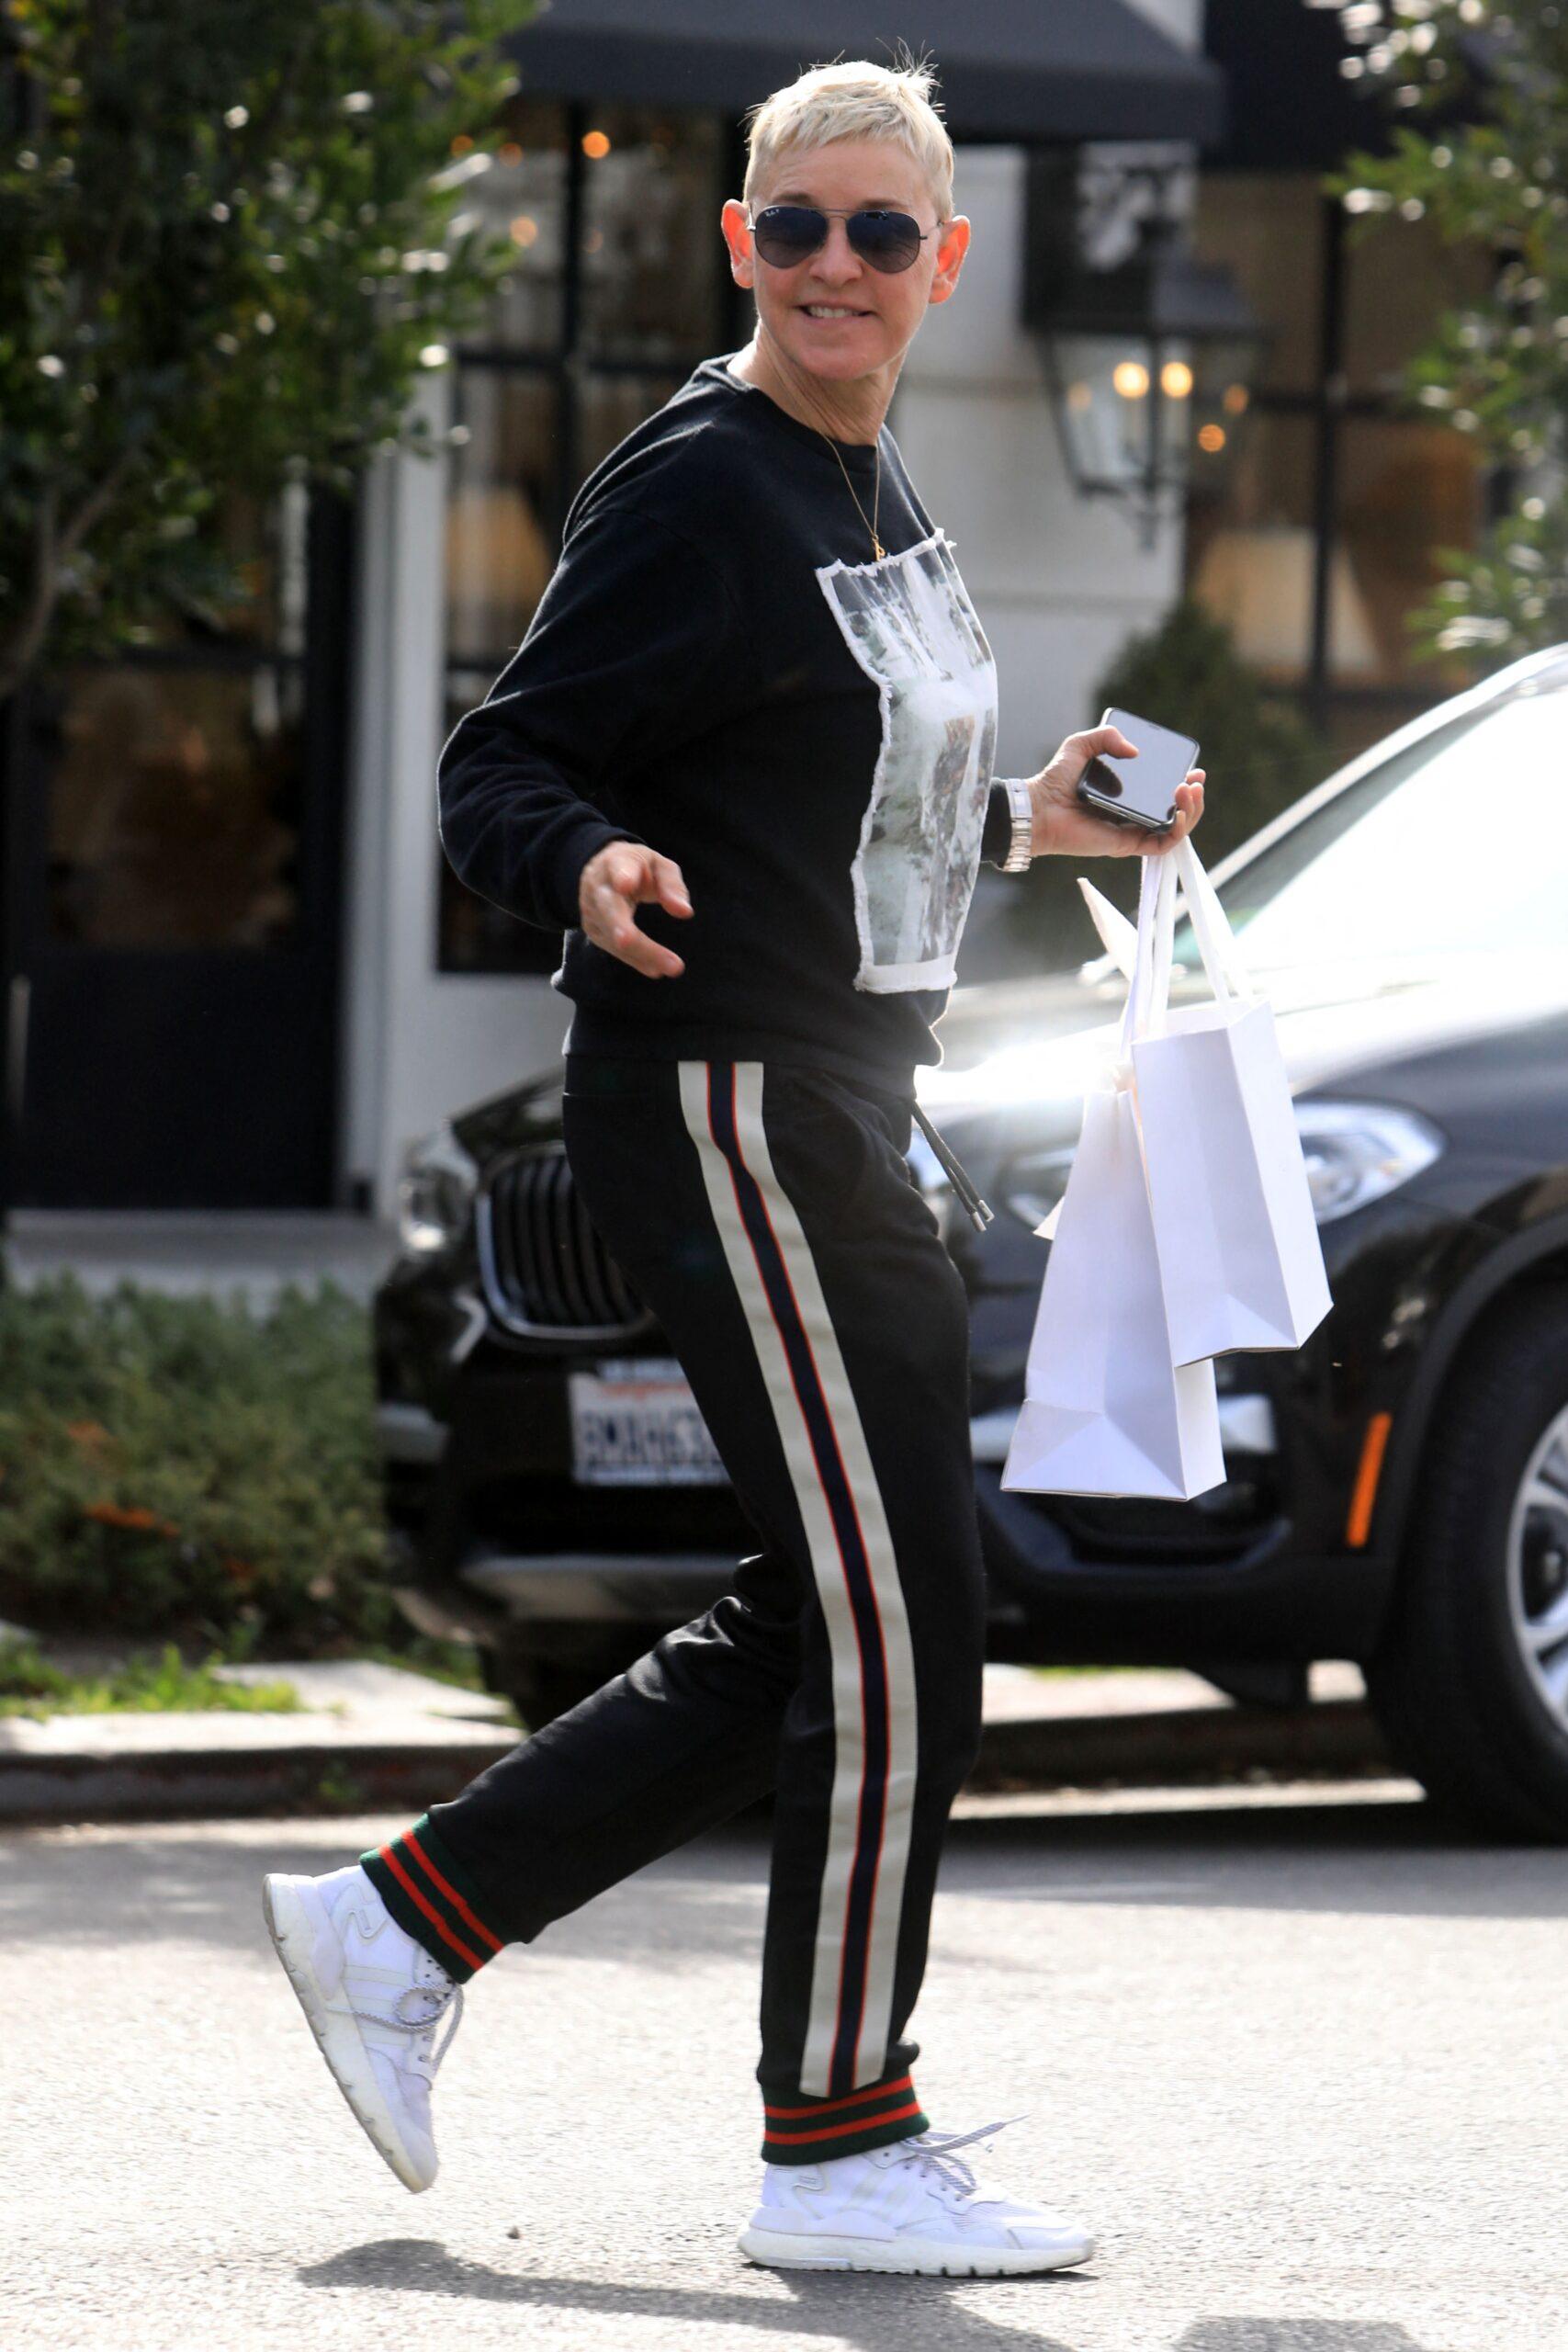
(636, 1424)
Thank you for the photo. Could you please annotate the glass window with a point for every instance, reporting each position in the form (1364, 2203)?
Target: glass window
(523, 192)
(651, 241)
(1267, 228)
(582, 347)
(1351, 724)
(174, 802)
(501, 533)
(1399, 275)
(1405, 488)
(1322, 891)
(1251, 549)
(609, 407)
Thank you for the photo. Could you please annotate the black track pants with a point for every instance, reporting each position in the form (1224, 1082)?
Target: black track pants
(768, 1216)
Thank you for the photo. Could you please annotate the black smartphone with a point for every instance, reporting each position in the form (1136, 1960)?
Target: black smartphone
(1141, 791)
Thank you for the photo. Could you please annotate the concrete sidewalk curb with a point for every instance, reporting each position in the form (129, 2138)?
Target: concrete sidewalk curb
(377, 1772)
(1182, 1744)
(331, 1777)
(367, 1734)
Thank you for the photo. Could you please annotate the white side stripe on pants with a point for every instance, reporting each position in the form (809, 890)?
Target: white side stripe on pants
(754, 1226)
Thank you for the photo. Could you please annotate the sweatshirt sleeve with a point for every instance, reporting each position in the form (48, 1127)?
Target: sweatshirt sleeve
(995, 838)
(634, 624)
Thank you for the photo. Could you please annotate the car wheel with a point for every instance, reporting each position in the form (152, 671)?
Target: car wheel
(1470, 1680)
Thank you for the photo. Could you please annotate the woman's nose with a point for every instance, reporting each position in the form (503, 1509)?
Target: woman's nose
(836, 257)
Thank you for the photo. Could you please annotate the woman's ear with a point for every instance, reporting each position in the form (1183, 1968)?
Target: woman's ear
(949, 255)
(737, 237)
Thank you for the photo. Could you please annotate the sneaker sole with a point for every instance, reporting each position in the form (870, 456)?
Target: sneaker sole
(929, 2258)
(337, 2037)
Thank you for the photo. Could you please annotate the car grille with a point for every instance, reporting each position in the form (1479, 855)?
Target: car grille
(546, 1274)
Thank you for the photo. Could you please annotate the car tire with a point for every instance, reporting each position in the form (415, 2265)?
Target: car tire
(1451, 1683)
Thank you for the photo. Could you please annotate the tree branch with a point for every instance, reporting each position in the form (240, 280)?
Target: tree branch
(53, 548)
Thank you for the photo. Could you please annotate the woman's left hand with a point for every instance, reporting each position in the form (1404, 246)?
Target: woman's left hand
(1064, 827)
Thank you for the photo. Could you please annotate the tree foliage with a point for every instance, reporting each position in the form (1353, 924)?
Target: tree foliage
(231, 239)
(1496, 369)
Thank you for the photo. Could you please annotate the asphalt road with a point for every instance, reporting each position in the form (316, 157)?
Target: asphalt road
(1302, 2064)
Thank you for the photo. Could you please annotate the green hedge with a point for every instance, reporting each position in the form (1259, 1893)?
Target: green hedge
(191, 1467)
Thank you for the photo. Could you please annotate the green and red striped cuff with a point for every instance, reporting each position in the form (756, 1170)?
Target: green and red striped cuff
(815, 2131)
(433, 1899)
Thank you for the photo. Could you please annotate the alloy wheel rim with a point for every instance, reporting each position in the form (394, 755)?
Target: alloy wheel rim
(1537, 1568)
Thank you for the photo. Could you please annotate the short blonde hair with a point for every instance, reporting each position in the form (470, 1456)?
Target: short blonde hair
(854, 100)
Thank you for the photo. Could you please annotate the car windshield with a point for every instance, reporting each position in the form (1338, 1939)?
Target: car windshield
(1428, 854)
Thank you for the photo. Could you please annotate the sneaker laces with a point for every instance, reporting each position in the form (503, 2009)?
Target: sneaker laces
(933, 2152)
(441, 1997)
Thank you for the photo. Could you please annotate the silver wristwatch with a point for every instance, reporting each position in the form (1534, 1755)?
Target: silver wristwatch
(1022, 809)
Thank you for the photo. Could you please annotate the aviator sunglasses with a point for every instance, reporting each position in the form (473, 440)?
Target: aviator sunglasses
(785, 233)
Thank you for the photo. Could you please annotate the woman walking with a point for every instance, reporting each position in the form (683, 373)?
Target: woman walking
(743, 757)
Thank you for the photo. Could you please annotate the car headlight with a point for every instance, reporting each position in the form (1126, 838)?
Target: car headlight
(1357, 1151)
(435, 1192)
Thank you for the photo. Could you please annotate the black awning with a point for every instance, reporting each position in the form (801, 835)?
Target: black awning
(1013, 70)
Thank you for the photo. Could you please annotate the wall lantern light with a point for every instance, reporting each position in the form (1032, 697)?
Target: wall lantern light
(1150, 362)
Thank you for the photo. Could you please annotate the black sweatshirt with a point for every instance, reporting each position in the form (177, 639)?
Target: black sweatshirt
(720, 668)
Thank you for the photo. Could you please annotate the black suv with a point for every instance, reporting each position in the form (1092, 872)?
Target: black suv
(1397, 1489)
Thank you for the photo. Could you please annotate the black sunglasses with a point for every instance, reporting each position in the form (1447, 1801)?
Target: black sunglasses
(786, 233)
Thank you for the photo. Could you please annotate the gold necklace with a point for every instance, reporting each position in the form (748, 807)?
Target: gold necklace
(877, 494)
(876, 497)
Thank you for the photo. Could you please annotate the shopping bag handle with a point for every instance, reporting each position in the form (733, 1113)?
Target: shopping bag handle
(1211, 927)
(1149, 988)
(1217, 945)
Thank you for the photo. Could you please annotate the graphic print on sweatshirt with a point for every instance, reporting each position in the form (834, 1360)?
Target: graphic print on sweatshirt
(909, 624)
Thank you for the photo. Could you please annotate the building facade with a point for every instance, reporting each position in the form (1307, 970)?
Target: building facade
(243, 973)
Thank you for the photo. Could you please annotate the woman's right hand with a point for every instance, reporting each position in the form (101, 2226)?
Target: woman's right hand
(618, 878)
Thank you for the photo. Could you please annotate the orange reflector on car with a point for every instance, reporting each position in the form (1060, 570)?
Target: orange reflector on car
(1374, 1446)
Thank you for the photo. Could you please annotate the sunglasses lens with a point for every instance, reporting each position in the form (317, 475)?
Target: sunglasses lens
(785, 233)
(889, 241)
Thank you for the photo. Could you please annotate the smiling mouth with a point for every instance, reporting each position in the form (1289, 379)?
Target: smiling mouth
(838, 319)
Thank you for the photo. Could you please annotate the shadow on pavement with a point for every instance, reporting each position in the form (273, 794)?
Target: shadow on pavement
(203, 1881)
(863, 2309)
(855, 2308)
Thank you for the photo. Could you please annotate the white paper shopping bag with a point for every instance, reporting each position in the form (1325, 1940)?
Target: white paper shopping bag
(1105, 1410)
(1241, 1264)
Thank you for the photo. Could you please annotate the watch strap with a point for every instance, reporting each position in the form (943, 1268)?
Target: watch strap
(1020, 809)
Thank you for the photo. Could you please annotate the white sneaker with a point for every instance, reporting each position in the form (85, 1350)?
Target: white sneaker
(911, 2206)
(374, 1999)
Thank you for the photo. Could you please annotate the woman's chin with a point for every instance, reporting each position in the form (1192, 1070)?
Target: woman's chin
(837, 355)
